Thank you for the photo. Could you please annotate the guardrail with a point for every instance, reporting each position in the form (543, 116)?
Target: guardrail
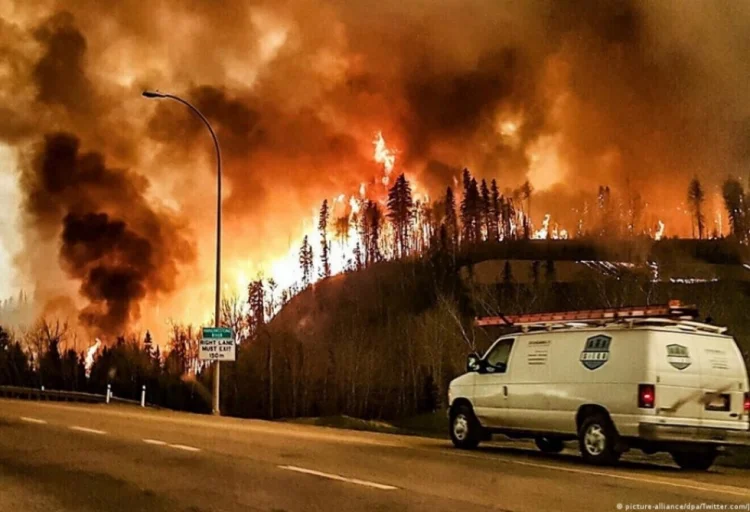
(60, 396)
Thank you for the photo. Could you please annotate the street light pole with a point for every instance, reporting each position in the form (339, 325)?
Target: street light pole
(216, 409)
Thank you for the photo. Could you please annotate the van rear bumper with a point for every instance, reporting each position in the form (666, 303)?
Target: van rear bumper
(676, 433)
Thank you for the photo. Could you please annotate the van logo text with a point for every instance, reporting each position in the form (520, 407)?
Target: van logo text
(678, 356)
(596, 352)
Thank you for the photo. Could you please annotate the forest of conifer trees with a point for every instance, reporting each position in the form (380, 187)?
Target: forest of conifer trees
(381, 343)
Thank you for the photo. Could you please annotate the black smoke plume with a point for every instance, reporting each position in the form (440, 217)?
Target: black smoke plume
(112, 240)
(637, 95)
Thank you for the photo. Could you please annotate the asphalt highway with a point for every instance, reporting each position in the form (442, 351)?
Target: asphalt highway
(61, 457)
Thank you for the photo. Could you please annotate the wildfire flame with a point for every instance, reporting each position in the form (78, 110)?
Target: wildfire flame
(719, 224)
(90, 356)
(544, 232)
(660, 231)
(553, 233)
(385, 156)
(286, 270)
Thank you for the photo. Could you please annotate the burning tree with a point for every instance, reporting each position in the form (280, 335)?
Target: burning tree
(372, 219)
(271, 303)
(401, 213)
(495, 213)
(148, 343)
(357, 263)
(736, 204)
(695, 197)
(486, 209)
(451, 220)
(424, 227)
(508, 214)
(342, 230)
(325, 259)
(306, 262)
(470, 211)
(256, 300)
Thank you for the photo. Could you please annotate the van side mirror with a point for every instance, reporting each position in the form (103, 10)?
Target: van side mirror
(473, 363)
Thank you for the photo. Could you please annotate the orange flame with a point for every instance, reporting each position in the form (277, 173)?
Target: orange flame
(385, 156)
(544, 232)
(660, 231)
(90, 356)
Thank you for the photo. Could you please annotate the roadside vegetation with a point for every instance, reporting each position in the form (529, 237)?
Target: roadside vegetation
(379, 344)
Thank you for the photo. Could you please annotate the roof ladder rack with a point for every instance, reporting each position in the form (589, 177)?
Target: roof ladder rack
(674, 310)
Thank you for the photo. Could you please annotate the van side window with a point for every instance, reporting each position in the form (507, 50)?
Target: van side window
(498, 357)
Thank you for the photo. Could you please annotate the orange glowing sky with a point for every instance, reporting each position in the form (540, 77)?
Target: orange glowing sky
(315, 100)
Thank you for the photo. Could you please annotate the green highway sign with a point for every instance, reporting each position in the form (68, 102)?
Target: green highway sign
(217, 344)
(217, 333)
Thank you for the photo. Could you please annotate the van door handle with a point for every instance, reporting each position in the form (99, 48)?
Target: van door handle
(505, 391)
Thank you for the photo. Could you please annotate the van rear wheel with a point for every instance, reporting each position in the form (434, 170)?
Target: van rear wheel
(465, 430)
(549, 444)
(597, 439)
(696, 460)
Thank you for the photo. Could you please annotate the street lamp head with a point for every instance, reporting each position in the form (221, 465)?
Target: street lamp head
(153, 94)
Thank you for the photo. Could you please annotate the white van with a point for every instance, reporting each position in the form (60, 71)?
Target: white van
(655, 384)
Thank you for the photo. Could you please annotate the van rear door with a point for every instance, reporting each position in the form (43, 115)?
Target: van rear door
(723, 381)
(678, 381)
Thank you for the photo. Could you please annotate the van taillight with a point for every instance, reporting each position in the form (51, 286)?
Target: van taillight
(646, 396)
(747, 403)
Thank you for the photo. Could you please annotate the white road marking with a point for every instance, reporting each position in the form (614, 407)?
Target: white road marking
(653, 480)
(340, 478)
(33, 420)
(154, 441)
(644, 479)
(185, 447)
(87, 430)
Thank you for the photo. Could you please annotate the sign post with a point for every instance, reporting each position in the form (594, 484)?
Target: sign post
(217, 344)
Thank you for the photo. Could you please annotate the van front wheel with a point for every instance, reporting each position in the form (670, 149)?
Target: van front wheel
(597, 438)
(465, 430)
